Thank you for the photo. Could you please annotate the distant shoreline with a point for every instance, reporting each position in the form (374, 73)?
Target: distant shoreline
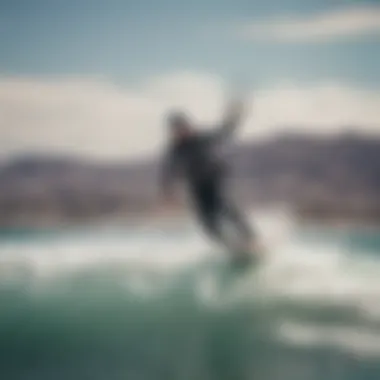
(332, 180)
(302, 215)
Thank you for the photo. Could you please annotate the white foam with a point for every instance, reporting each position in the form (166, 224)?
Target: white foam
(300, 271)
(359, 341)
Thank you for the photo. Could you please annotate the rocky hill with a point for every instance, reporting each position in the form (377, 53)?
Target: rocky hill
(321, 177)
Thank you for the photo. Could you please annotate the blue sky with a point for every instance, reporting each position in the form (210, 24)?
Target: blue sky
(128, 40)
(94, 77)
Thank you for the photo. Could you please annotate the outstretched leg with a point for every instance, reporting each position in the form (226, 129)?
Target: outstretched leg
(211, 224)
(230, 212)
(209, 209)
(235, 216)
(214, 208)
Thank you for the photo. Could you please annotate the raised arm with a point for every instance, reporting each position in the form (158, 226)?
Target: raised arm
(231, 121)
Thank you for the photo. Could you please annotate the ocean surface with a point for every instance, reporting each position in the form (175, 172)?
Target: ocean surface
(156, 301)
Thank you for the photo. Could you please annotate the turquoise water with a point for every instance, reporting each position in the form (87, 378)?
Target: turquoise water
(159, 303)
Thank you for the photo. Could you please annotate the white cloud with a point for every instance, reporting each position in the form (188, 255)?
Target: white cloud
(325, 108)
(97, 117)
(320, 27)
(100, 119)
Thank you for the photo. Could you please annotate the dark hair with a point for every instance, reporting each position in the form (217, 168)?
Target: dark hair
(175, 118)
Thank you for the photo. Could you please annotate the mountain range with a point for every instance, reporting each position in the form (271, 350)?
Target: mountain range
(319, 176)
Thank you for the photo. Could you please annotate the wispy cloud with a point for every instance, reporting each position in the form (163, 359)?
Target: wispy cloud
(97, 118)
(322, 27)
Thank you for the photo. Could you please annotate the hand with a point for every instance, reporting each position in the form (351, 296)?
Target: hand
(235, 109)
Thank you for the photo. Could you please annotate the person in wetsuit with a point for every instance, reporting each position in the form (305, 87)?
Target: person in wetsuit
(192, 155)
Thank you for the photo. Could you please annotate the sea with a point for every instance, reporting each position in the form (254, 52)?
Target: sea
(154, 300)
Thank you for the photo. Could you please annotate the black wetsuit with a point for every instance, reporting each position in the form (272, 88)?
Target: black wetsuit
(196, 160)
